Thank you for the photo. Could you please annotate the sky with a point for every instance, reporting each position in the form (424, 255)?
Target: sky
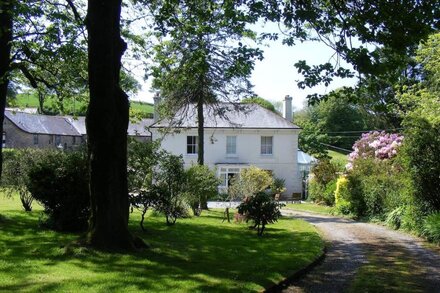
(275, 76)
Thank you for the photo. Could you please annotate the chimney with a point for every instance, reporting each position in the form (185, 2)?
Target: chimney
(287, 108)
(157, 101)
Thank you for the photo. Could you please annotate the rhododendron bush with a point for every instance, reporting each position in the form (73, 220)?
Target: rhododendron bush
(378, 145)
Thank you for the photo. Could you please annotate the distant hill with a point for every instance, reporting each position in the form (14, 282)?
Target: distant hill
(72, 107)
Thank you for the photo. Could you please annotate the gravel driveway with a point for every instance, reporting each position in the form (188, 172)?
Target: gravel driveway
(351, 242)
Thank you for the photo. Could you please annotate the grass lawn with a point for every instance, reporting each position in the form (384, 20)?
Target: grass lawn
(197, 254)
(310, 207)
(338, 158)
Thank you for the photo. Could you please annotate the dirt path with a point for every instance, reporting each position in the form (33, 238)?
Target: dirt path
(353, 245)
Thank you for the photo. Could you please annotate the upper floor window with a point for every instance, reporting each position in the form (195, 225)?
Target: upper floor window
(231, 145)
(35, 138)
(191, 144)
(267, 145)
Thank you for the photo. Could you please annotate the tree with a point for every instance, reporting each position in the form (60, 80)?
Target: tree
(107, 123)
(347, 26)
(260, 101)
(202, 184)
(5, 59)
(203, 60)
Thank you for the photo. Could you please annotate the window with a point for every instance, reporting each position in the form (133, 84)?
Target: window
(4, 139)
(73, 140)
(266, 145)
(231, 145)
(191, 144)
(57, 140)
(35, 138)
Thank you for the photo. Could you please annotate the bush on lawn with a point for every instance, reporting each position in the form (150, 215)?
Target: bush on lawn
(59, 181)
(16, 164)
(261, 209)
(201, 185)
(249, 182)
(169, 188)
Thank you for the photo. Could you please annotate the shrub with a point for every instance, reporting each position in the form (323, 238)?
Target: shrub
(249, 182)
(201, 185)
(169, 188)
(422, 152)
(322, 194)
(394, 218)
(342, 196)
(141, 161)
(261, 209)
(431, 227)
(59, 181)
(324, 172)
(16, 165)
(278, 186)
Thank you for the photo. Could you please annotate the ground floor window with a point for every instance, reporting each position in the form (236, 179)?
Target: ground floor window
(227, 174)
(4, 139)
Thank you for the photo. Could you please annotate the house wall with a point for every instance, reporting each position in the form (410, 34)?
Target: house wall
(17, 138)
(283, 161)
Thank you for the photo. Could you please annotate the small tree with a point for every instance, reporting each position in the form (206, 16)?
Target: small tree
(261, 209)
(201, 185)
(16, 166)
(141, 161)
(169, 188)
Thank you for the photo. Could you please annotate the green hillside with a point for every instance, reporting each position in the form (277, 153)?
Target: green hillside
(31, 101)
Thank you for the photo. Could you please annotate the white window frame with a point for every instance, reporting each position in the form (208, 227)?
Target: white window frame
(266, 146)
(193, 144)
(231, 145)
(4, 139)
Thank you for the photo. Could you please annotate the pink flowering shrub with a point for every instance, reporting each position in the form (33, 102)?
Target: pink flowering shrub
(378, 145)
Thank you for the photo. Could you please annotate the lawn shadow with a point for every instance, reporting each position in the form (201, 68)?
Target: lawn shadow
(190, 254)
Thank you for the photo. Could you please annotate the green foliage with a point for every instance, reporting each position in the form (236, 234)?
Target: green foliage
(394, 218)
(261, 209)
(16, 166)
(141, 161)
(59, 181)
(169, 187)
(431, 227)
(278, 186)
(249, 182)
(325, 171)
(201, 185)
(260, 101)
(342, 196)
(378, 187)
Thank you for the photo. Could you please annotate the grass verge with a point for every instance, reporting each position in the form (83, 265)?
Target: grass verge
(197, 254)
(310, 207)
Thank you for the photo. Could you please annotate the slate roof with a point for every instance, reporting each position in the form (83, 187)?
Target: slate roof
(251, 116)
(65, 125)
(42, 124)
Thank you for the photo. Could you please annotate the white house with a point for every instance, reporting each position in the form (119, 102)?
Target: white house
(251, 136)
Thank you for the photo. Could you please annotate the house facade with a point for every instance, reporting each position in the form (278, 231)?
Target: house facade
(237, 139)
(30, 130)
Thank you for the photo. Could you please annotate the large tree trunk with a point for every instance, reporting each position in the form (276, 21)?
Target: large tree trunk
(107, 123)
(5, 60)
